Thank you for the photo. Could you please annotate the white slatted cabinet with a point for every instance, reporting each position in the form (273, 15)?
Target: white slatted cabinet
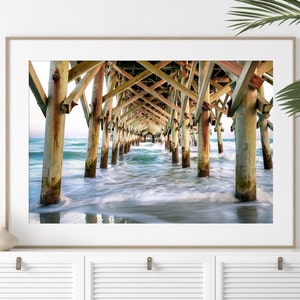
(181, 276)
(257, 277)
(43, 275)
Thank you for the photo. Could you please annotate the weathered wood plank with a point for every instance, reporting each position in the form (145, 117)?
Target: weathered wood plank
(169, 79)
(106, 116)
(37, 89)
(153, 92)
(236, 68)
(114, 149)
(242, 85)
(264, 106)
(132, 80)
(266, 66)
(82, 68)
(222, 91)
(79, 89)
(204, 81)
(173, 124)
(54, 134)
(245, 136)
(154, 112)
(184, 98)
(202, 118)
(185, 126)
(203, 144)
(83, 100)
(94, 125)
(136, 97)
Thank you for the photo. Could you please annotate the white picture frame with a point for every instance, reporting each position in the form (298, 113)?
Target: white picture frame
(21, 50)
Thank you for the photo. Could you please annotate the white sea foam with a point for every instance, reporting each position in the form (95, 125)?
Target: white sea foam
(146, 187)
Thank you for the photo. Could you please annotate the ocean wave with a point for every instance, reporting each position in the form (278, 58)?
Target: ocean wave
(145, 184)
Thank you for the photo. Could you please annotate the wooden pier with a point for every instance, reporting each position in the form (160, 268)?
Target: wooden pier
(175, 102)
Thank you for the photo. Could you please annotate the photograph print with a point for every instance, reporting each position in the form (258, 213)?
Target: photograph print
(150, 141)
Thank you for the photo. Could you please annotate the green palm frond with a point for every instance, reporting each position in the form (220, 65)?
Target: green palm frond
(258, 13)
(289, 98)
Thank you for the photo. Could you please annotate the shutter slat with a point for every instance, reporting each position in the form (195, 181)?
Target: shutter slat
(252, 280)
(177, 279)
(38, 280)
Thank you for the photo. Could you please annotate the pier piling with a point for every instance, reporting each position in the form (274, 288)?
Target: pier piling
(54, 134)
(245, 134)
(94, 125)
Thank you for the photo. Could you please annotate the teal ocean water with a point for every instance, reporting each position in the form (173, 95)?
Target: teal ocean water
(145, 187)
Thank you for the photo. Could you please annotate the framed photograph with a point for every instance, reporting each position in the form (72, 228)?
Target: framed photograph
(149, 142)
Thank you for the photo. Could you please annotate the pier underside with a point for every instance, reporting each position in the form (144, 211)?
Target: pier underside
(173, 102)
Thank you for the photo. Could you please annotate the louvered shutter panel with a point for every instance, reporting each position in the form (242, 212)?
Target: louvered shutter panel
(55, 278)
(181, 278)
(258, 278)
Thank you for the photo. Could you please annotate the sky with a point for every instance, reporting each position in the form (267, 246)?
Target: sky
(76, 125)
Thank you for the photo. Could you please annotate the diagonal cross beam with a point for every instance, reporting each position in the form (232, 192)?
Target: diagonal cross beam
(132, 81)
(241, 85)
(170, 80)
(175, 84)
(204, 82)
(151, 91)
(37, 89)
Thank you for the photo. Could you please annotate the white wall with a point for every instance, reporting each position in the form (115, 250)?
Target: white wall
(118, 18)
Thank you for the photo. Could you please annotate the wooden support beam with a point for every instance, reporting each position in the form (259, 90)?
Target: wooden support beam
(226, 90)
(133, 80)
(261, 117)
(173, 97)
(203, 144)
(169, 79)
(155, 106)
(157, 114)
(237, 69)
(242, 85)
(245, 136)
(149, 109)
(128, 101)
(94, 125)
(37, 89)
(149, 100)
(83, 100)
(152, 91)
(81, 68)
(147, 116)
(173, 124)
(219, 131)
(218, 113)
(185, 132)
(202, 119)
(126, 141)
(153, 126)
(136, 117)
(132, 109)
(107, 115)
(157, 119)
(122, 139)
(184, 98)
(114, 150)
(264, 106)
(265, 144)
(79, 89)
(54, 134)
(173, 83)
(204, 81)
(265, 67)
(136, 97)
